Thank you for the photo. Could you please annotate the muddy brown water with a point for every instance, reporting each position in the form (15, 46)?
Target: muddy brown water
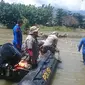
(70, 72)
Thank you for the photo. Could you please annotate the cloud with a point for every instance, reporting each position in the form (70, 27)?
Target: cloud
(67, 4)
(83, 6)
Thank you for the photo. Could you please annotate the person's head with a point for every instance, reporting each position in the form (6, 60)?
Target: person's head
(20, 22)
(41, 33)
(34, 31)
(55, 33)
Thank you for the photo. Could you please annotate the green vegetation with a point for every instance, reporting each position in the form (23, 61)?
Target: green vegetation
(45, 15)
(58, 28)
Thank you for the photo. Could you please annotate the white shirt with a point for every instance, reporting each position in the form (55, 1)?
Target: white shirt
(50, 40)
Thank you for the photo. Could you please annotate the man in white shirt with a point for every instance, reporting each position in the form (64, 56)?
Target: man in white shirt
(50, 43)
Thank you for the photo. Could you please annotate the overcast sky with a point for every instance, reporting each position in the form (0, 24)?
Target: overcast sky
(67, 4)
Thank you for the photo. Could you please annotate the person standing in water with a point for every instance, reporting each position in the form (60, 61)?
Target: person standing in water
(17, 33)
(82, 45)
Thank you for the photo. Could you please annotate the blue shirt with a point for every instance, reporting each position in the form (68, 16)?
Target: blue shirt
(82, 45)
(17, 35)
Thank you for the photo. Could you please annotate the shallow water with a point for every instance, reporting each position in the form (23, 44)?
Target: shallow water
(72, 70)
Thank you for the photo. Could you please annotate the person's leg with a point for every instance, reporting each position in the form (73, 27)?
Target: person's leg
(34, 62)
(52, 49)
(45, 49)
(14, 45)
(19, 49)
(84, 58)
(29, 61)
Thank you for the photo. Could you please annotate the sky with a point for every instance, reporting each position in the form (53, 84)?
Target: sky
(73, 5)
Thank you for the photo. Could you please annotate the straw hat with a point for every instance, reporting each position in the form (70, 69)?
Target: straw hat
(33, 29)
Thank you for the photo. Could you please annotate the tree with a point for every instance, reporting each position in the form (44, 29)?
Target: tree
(45, 15)
(79, 17)
(70, 21)
(59, 14)
(8, 14)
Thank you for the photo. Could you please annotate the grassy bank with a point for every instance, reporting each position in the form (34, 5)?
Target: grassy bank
(55, 28)
(69, 31)
(60, 29)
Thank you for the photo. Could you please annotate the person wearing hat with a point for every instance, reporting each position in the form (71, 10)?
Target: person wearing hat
(31, 46)
(17, 41)
(50, 43)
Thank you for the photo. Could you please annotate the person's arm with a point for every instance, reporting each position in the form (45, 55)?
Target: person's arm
(80, 45)
(55, 41)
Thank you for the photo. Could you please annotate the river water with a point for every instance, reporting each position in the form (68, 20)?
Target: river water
(71, 71)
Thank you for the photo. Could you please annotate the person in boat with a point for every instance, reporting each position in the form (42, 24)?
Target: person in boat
(50, 43)
(17, 33)
(82, 45)
(31, 46)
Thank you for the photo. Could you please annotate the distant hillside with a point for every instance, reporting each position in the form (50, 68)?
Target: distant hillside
(81, 12)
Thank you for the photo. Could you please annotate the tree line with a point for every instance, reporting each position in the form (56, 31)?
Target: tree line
(43, 15)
